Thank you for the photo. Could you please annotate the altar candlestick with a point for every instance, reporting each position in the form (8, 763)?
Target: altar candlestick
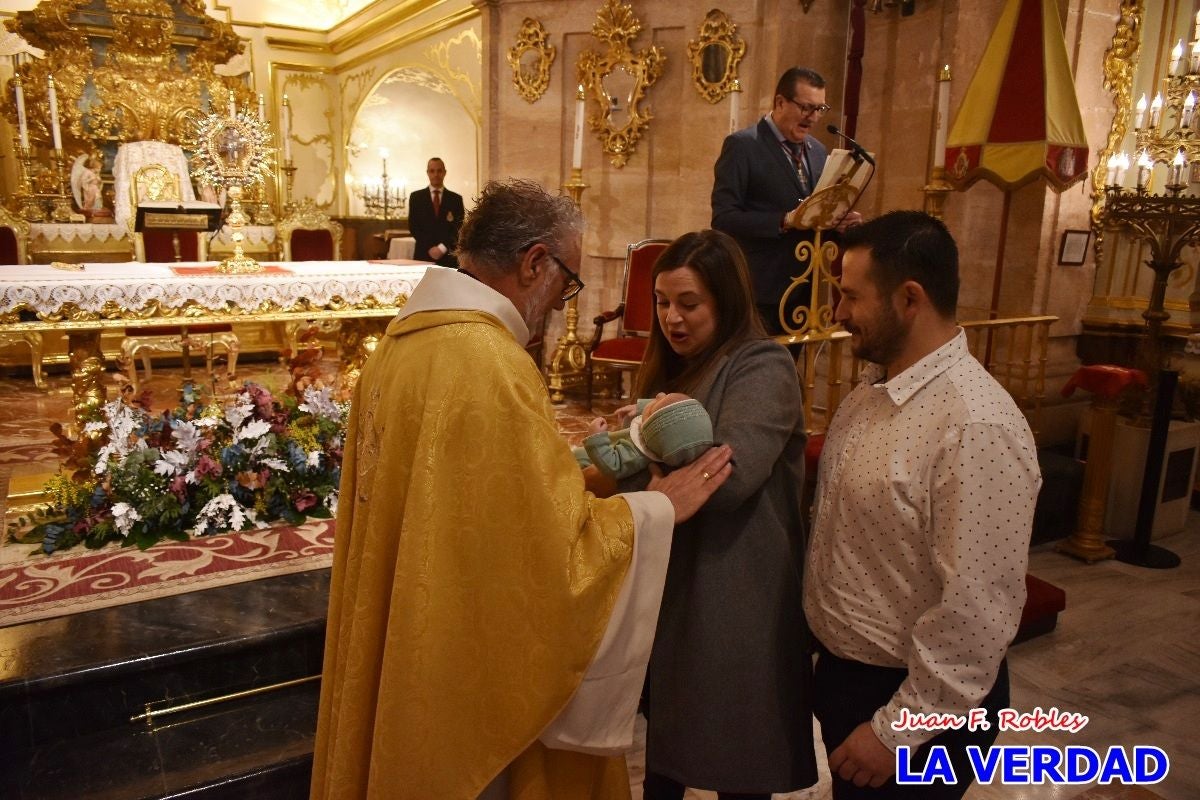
(285, 129)
(735, 94)
(55, 133)
(1156, 109)
(22, 124)
(1140, 119)
(580, 110)
(262, 109)
(1176, 58)
(232, 106)
(943, 115)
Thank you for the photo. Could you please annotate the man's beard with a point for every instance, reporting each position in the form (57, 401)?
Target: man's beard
(885, 339)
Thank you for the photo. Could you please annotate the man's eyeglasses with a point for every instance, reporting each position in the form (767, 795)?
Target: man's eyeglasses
(809, 108)
(574, 282)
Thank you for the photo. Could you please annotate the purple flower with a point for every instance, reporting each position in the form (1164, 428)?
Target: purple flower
(207, 467)
(304, 500)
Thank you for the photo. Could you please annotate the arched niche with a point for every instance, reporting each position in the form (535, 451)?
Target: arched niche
(415, 115)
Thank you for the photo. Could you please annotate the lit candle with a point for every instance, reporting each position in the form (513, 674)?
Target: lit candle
(55, 133)
(943, 115)
(1110, 174)
(1194, 62)
(22, 124)
(1144, 165)
(1176, 57)
(580, 110)
(1197, 33)
(383, 154)
(1122, 167)
(1189, 108)
(285, 129)
(1177, 165)
(1140, 119)
(1156, 109)
(262, 109)
(232, 106)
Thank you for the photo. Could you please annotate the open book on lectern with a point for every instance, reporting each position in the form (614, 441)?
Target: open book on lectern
(842, 180)
(188, 215)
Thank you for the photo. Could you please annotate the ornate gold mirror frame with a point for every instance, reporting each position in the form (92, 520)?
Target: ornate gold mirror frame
(635, 72)
(715, 56)
(530, 59)
(1120, 66)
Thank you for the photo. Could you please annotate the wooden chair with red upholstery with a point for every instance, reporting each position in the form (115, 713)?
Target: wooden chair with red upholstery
(624, 352)
(308, 234)
(14, 239)
(155, 183)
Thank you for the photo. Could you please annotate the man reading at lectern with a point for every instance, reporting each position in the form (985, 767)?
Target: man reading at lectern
(763, 173)
(434, 217)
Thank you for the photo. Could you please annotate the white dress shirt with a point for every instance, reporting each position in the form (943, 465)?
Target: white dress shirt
(921, 531)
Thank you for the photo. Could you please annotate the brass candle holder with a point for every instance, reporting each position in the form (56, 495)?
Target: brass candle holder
(28, 205)
(60, 210)
(569, 363)
(289, 172)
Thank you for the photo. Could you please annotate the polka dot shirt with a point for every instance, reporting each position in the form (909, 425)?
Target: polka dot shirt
(921, 531)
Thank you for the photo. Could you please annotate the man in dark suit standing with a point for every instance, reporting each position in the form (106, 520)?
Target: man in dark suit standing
(434, 217)
(761, 176)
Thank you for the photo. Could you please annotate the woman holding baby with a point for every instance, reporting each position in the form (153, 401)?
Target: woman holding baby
(727, 688)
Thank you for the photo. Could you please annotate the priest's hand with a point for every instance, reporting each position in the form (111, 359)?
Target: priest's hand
(851, 219)
(688, 488)
(862, 759)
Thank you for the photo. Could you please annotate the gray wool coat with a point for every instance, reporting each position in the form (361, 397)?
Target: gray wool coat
(728, 687)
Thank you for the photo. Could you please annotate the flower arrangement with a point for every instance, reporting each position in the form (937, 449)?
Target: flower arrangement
(204, 467)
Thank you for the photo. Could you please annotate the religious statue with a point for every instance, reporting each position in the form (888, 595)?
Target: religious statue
(86, 186)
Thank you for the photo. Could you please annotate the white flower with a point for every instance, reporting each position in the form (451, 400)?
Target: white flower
(276, 464)
(331, 501)
(124, 516)
(170, 463)
(239, 411)
(314, 459)
(95, 427)
(206, 422)
(255, 430)
(187, 437)
(224, 513)
(318, 403)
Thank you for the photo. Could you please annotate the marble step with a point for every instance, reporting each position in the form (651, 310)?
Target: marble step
(70, 686)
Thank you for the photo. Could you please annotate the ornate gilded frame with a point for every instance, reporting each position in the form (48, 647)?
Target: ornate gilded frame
(532, 79)
(1120, 66)
(719, 48)
(617, 26)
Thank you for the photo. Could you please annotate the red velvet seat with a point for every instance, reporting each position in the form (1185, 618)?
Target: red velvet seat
(636, 314)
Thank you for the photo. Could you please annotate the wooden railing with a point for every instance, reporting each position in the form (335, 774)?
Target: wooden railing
(1013, 350)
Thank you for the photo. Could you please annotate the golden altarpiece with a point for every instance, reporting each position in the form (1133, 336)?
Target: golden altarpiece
(123, 71)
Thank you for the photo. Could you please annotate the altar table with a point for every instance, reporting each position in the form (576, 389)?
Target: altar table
(103, 296)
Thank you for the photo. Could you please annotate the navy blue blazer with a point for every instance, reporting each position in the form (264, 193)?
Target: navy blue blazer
(754, 185)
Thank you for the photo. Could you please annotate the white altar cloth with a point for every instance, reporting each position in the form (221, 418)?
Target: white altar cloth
(83, 231)
(135, 286)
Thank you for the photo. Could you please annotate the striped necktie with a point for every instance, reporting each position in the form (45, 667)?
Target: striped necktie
(797, 151)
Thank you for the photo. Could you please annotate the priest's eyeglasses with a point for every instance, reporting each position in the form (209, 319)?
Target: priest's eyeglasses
(574, 282)
(809, 108)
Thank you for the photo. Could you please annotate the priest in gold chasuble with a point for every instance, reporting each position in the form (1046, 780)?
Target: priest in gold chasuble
(489, 619)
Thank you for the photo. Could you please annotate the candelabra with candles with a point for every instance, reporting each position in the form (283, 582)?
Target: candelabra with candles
(380, 198)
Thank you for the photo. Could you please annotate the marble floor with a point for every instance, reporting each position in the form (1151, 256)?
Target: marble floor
(1126, 651)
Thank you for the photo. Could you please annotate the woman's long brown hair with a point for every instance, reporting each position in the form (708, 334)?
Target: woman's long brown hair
(721, 267)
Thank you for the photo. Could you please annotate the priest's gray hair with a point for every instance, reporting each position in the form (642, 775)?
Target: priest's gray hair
(511, 216)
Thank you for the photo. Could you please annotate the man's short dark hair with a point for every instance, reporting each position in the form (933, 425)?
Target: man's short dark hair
(910, 246)
(787, 81)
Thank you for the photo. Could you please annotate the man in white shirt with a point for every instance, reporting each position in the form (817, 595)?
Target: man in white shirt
(914, 583)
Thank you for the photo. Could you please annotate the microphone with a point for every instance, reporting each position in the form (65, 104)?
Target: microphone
(855, 147)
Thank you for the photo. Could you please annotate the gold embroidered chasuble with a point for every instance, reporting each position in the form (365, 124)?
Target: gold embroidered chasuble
(473, 576)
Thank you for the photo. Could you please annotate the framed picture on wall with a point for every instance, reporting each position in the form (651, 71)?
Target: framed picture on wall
(1073, 250)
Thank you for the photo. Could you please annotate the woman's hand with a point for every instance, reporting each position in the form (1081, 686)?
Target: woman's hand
(688, 488)
(625, 415)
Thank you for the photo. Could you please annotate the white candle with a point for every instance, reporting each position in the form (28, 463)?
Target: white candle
(580, 110)
(1176, 57)
(262, 109)
(1156, 109)
(1122, 167)
(55, 133)
(22, 124)
(1177, 165)
(1110, 174)
(1140, 119)
(383, 154)
(232, 106)
(943, 114)
(1189, 108)
(1144, 165)
(1197, 33)
(1194, 62)
(735, 95)
(285, 129)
